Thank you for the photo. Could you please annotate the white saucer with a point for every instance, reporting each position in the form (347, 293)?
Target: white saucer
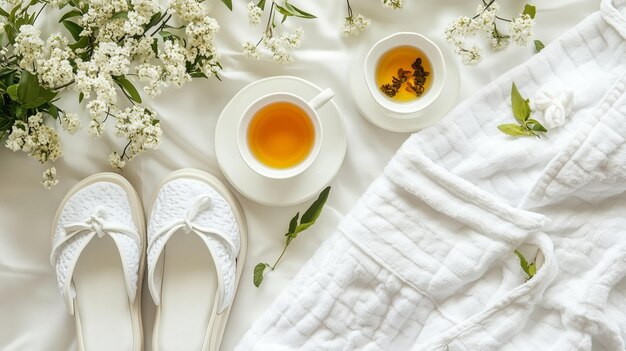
(368, 107)
(279, 192)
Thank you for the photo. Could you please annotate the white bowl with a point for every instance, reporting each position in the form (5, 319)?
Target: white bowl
(437, 74)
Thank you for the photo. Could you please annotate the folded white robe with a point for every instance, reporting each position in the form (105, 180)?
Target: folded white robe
(425, 261)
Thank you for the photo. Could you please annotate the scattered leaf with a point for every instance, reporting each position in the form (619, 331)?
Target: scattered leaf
(258, 274)
(539, 45)
(513, 129)
(520, 106)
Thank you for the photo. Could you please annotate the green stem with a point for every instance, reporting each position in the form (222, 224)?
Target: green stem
(279, 257)
(64, 85)
(161, 26)
(349, 9)
(38, 13)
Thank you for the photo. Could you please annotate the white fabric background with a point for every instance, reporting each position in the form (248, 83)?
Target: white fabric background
(32, 315)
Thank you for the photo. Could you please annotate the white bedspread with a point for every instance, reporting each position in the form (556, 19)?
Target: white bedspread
(32, 314)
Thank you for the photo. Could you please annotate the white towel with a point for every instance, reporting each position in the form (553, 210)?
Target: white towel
(425, 261)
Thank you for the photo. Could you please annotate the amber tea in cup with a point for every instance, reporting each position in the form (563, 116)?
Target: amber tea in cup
(404, 73)
(281, 135)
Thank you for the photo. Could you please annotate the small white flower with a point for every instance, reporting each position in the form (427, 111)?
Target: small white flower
(470, 57)
(174, 63)
(70, 122)
(140, 126)
(95, 128)
(250, 50)
(134, 24)
(521, 29)
(555, 106)
(49, 178)
(355, 25)
(110, 58)
(28, 46)
(35, 138)
(486, 18)
(292, 40)
(188, 10)
(394, 4)
(151, 74)
(116, 161)
(254, 13)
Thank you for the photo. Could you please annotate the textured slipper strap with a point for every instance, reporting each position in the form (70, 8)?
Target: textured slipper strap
(95, 226)
(187, 224)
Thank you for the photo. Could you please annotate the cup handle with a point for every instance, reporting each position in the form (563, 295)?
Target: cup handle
(321, 99)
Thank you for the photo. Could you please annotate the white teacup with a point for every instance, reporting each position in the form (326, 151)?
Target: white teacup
(309, 107)
(438, 74)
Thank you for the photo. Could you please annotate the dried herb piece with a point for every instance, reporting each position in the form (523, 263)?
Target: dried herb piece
(419, 78)
(396, 83)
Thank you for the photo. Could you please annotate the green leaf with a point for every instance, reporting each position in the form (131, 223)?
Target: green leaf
(6, 122)
(283, 11)
(3, 13)
(198, 75)
(129, 88)
(81, 96)
(522, 261)
(310, 216)
(12, 91)
(30, 94)
(530, 10)
(297, 12)
(53, 111)
(73, 13)
(293, 223)
(156, 18)
(155, 46)
(81, 43)
(120, 15)
(513, 130)
(258, 274)
(261, 4)
(539, 45)
(532, 270)
(521, 107)
(535, 125)
(165, 34)
(73, 28)
(228, 3)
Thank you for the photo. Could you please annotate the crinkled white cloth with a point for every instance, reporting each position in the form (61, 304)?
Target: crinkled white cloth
(33, 315)
(425, 261)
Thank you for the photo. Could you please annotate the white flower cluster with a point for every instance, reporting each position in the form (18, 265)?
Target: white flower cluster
(120, 46)
(485, 22)
(53, 66)
(35, 138)
(521, 29)
(254, 13)
(355, 25)
(394, 4)
(28, 46)
(189, 10)
(278, 47)
(139, 125)
(50, 178)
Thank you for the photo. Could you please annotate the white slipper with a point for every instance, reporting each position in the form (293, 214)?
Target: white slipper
(196, 250)
(97, 250)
